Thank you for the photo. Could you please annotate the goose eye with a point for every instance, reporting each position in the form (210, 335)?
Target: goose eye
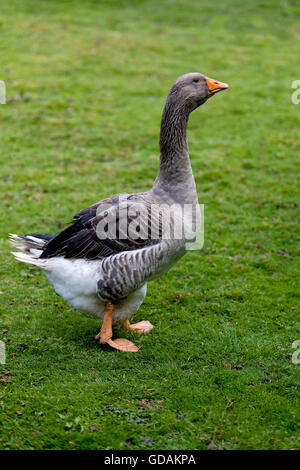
(196, 80)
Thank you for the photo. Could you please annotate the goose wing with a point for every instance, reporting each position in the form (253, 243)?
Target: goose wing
(111, 226)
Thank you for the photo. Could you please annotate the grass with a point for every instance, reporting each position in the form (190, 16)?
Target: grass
(86, 83)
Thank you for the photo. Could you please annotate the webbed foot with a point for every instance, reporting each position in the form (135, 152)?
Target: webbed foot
(141, 327)
(105, 335)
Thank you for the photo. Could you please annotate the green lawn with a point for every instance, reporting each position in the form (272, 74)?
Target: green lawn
(86, 82)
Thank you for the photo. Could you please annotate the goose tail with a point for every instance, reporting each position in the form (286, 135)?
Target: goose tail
(30, 248)
(26, 243)
(31, 259)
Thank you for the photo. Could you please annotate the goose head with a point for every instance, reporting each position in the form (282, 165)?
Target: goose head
(193, 89)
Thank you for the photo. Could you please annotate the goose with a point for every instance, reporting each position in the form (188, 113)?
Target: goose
(102, 261)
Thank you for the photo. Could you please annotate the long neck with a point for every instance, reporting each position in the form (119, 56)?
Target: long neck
(175, 175)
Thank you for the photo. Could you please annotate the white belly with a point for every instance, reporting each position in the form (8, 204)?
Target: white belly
(76, 281)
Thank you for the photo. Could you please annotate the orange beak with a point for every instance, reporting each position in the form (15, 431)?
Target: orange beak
(215, 86)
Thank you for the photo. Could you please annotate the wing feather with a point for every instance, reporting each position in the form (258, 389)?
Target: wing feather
(90, 236)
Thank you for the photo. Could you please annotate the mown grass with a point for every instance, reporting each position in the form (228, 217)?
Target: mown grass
(86, 83)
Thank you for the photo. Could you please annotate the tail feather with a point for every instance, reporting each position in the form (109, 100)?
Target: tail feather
(27, 243)
(31, 247)
(30, 259)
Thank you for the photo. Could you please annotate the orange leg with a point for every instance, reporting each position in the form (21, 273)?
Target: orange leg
(141, 327)
(105, 335)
